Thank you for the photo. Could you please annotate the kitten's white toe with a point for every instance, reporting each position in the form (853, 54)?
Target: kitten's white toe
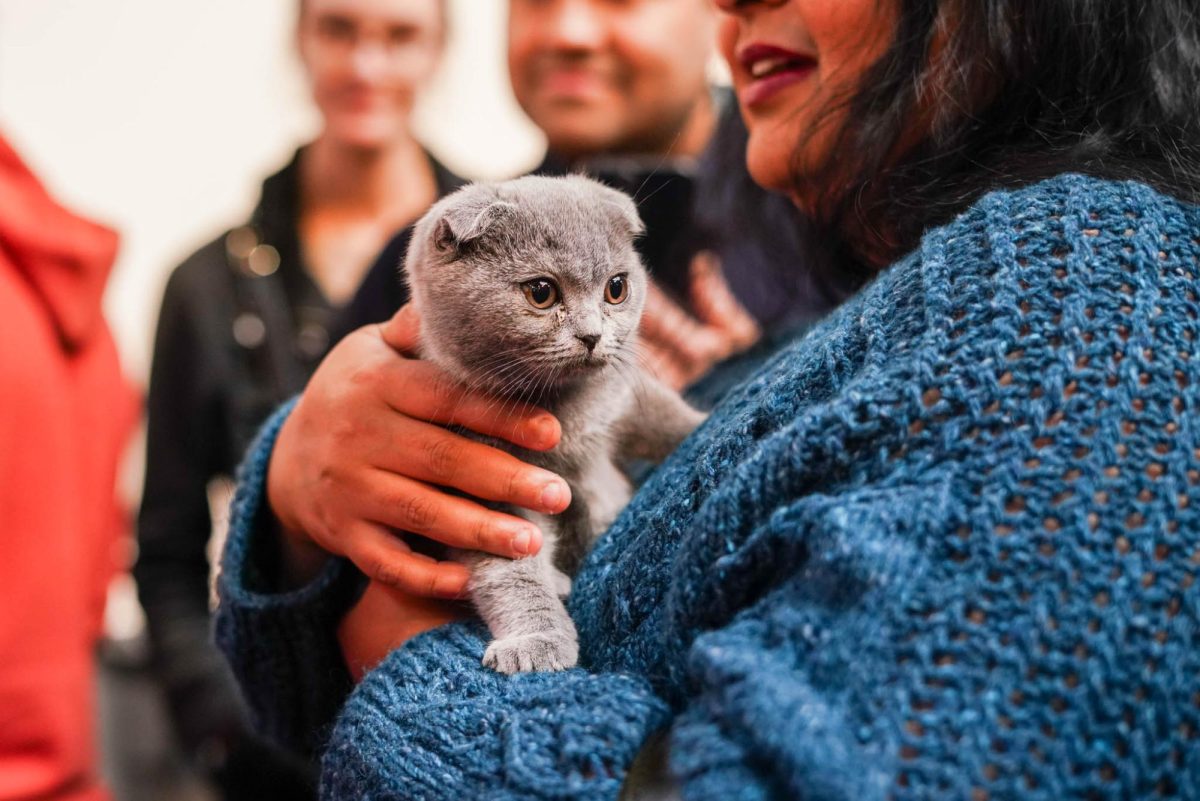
(531, 653)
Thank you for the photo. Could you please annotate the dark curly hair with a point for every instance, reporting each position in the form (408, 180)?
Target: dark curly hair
(1014, 91)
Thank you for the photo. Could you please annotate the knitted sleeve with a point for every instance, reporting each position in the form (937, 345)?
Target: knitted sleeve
(431, 722)
(282, 646)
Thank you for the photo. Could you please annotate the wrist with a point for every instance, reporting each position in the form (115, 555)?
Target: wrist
(383, 619)
(302, 559)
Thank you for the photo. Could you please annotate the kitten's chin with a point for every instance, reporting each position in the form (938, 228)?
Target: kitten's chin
(548, 380)
(585, 366)
(565, 375)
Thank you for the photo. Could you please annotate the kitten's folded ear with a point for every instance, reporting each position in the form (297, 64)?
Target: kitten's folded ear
(474, 209)
(623, 211)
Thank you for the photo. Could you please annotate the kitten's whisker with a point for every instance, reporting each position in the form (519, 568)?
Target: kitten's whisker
(479, 382)
(502, 380)
(497, 379)
(487, 376)
(633, 378)
(494, 360)
(643, 359)
(523, 392)
(652, 194)
(509, 381)
(663, 160)
(474, 383)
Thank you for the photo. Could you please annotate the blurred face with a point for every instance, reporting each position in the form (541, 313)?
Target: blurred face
(605, 76)
(792, 61)
(365, 61)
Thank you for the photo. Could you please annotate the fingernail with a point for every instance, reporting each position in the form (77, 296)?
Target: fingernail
(520, 543)
(448, 587)
(553, 495)
(545, 429)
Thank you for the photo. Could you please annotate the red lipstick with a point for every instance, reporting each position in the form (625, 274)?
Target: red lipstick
(768, 69)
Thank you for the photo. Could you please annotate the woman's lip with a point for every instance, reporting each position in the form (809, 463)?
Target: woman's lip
(756, 51)
(756, 90)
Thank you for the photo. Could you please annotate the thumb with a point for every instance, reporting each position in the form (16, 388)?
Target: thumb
(403, 331)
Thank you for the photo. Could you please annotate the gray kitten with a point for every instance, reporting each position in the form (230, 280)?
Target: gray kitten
(532, 290)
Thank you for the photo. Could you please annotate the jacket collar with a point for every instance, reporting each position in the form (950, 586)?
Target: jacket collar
(65, 258)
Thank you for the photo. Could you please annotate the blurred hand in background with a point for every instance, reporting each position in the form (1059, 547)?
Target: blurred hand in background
(680, 346)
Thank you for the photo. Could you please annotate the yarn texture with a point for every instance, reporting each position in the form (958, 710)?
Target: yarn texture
(942, 546)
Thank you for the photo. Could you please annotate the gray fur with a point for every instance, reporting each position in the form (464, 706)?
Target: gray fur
(467, 261)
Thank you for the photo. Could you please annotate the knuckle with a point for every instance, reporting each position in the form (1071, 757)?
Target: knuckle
(419, 511)
(326, 487)
(361, 376)
(481, 532)
(343, 430)
(514, 485)
(374, 565)
(442, 458)
(388, 573)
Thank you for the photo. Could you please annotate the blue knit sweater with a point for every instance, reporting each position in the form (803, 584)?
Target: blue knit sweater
(943, 546)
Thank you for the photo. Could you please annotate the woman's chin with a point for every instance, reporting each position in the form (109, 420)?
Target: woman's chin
(770, 162)
(367, 134)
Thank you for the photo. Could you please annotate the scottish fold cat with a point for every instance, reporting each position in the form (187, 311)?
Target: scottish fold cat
(531, 290)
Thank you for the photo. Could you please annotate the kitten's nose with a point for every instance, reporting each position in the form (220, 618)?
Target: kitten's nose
(589, 340)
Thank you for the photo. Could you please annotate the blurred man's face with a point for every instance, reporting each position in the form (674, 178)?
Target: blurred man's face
(609, 76)
(366, 60)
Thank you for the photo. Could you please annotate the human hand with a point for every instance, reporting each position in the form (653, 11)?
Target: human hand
(383, 619)
(364, 454)
(680, 347)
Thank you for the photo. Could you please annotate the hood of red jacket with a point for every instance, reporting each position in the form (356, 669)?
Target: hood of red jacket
(65, 258)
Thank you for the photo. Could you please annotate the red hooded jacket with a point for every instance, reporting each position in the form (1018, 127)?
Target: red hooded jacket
(65, 416)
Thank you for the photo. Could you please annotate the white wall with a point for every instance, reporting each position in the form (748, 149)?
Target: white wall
(160, 117)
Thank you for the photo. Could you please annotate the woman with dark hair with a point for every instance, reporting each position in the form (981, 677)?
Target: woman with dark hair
(941, 546)
(246, 319)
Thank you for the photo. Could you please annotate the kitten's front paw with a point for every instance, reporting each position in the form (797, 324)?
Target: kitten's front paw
(532, 653)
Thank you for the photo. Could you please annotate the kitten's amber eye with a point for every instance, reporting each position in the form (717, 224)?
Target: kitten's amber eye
(540, 293)
(617, 289)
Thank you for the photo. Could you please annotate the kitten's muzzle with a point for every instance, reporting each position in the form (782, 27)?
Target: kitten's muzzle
(589, 341)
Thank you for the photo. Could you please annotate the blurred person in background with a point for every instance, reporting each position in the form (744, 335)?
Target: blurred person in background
(65, 416)
(245, 320)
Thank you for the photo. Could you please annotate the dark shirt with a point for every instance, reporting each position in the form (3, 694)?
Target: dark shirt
(687, 206)
(242, 327)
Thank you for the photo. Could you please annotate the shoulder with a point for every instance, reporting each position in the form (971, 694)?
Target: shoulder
(1028, 258)
(1058, 260)
(203, 283)
(1073, 222)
